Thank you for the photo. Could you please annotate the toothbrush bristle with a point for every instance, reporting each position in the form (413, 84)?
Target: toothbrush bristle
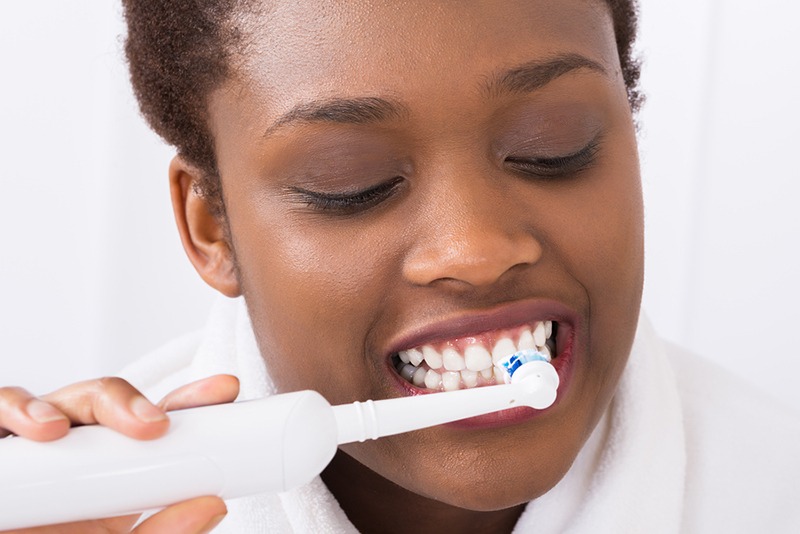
(510, 364)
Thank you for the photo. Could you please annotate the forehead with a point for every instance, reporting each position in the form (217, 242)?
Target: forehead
(297, 51)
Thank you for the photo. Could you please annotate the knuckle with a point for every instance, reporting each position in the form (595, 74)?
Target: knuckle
(10, 393)
(112, 383)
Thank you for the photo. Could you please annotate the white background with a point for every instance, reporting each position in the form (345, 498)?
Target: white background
(92, 273)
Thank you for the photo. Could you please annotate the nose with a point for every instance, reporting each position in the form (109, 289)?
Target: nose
(472, 236)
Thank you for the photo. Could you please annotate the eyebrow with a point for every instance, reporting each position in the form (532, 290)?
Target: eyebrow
(529, 77)
(361, 110)
(524, 78)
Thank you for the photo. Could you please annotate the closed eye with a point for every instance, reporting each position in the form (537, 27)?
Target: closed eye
(555, 166)
(347, 203)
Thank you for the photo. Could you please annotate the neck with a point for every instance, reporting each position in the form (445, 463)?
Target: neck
(375, 504)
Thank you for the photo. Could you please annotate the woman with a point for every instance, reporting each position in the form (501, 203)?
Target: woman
(383, 182)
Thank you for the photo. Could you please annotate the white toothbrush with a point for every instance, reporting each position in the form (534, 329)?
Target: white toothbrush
(230, 450)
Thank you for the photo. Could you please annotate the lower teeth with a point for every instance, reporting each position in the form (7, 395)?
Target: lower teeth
(445, 380)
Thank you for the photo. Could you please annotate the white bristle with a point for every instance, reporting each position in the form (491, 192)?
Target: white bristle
(510, 364)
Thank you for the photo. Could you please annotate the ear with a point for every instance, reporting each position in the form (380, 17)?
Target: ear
(202, 233)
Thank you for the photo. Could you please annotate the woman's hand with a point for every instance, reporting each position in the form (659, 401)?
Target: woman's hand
(115, 403)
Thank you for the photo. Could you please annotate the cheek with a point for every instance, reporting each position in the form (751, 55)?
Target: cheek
(606, 255)
(607, 244)
(313, 288)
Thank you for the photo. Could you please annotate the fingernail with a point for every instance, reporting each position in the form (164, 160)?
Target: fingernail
(211, 525)
(145, 411)
(41, 412)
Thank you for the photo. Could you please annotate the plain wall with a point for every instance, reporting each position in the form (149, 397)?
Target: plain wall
(92, 273)
(721, 185)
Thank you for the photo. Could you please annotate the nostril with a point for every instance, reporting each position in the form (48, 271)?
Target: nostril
(478, 261)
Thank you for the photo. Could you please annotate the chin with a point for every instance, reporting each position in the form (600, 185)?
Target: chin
(489, 498)
(486, 485)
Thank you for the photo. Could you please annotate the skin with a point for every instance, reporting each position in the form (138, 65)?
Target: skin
(113, 402)
(465, 230)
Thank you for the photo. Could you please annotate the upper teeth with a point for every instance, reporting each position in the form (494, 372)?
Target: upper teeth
(450, 368)
(477, 358)
(453, 360)
(503, 348)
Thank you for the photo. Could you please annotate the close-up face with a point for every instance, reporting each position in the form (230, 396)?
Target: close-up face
(428, 181)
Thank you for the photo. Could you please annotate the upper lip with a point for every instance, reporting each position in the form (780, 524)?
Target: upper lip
(477, 322)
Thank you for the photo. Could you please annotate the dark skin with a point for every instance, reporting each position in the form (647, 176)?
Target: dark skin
(345, 477)
(463, 229)
(441, 160)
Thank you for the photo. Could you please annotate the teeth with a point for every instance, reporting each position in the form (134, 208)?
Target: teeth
(499, 375)
(449, 370)
(470, 378)
(546, 351)
(453, 361)
(451, 380)
(477, 358)
(539, 334)
(432, 357)
(433, 380)
(415, 357)
(419, 377)
(504, 347)
(407, 371)
(526, 340)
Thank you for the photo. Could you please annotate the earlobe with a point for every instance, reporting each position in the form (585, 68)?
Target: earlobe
(202, 233)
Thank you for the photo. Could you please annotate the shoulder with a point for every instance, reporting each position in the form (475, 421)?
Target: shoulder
(742, 460)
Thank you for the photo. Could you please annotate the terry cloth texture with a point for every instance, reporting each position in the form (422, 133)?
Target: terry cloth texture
(684, 447)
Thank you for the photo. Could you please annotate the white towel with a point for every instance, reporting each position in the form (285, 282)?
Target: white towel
(629, 478)
(227, 345)
(636, 482)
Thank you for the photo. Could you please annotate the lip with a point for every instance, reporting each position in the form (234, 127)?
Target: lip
(477, 323)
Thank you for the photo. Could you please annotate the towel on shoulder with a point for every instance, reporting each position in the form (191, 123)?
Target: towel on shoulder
(684, 447)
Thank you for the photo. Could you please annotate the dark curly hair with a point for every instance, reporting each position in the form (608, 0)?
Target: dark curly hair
(179, 51)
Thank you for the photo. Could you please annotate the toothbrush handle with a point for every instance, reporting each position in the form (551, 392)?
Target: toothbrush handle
(228, 450)
(360, 421)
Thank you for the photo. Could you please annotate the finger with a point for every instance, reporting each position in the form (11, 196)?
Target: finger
(100, 526)
(217, 389)
(111, 402)
(189, 517)
(193, 516)
(23, 414)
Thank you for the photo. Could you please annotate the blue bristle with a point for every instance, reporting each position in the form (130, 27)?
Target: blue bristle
(511, 363)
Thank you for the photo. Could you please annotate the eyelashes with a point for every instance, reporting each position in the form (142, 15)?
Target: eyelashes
(556, 166)
(348, 203)
(352, 203)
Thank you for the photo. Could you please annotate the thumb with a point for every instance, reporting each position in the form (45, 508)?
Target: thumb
(194, 516)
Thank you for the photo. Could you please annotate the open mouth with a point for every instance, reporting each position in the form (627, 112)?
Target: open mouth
(469, 362)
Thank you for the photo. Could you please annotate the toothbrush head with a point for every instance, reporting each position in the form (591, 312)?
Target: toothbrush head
(533, 376)
(515, 362)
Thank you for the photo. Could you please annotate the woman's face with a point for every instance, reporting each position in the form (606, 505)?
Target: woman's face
(401, 176)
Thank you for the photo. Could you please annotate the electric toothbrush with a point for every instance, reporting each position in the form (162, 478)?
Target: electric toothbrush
(231, 450)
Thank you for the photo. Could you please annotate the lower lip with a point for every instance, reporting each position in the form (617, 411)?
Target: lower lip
(562, 364)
